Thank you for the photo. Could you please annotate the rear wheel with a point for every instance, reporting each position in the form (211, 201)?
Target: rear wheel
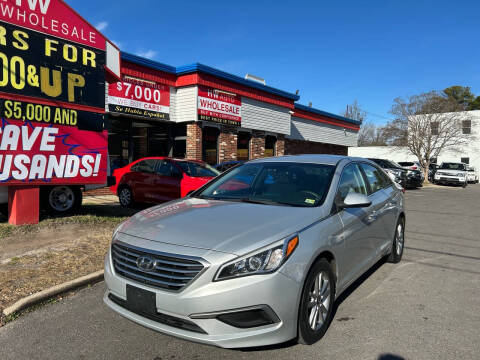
(60, 200)
(317, 301)
(398, 242)
(125, 196)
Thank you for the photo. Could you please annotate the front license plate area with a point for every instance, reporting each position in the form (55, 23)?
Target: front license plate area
(140, 301)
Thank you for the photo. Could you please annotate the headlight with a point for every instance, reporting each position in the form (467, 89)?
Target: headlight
(263, 261)
(460, 174)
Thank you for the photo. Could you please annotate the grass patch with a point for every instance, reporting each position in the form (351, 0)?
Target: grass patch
(89, 215)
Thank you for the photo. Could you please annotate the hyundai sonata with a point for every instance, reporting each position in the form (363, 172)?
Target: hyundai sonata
(258, 255)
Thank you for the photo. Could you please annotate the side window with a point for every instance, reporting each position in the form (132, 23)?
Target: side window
(351, 181)
(164, 168)
(145, 166)
(375, 177)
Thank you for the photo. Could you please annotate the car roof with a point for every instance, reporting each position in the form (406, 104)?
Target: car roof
(309, 158)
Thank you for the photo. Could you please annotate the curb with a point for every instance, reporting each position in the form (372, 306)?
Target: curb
(55, 290)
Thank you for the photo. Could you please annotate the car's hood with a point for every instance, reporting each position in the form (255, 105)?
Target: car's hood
(230, 227)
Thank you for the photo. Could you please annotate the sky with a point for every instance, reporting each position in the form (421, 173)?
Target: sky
(333, 52)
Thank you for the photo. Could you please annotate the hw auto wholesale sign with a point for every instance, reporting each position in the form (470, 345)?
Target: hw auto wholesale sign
(139, 98)
(219, 106)
(52, 95)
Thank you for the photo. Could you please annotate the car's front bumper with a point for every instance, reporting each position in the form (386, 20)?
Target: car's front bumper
(199, 302)
(444, 179)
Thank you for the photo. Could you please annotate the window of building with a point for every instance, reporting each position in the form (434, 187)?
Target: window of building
(243, 146)
(270, 142)
(466, 127)
(434, 128)
(210, 144)
(465, 160)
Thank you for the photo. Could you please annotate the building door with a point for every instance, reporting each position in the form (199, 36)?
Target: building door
(270, 142)
(243, 146)
(210, 144)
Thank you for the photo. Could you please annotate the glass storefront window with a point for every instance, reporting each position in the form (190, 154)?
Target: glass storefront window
(210, 144)
(243, 146)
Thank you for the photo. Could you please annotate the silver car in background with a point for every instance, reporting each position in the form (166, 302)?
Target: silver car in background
(259, 254)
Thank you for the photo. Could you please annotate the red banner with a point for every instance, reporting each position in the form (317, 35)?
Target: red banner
(140, 98)
(219, 106)
(53, 17)
(37, 153)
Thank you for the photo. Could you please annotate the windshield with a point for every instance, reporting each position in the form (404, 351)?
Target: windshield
(195, 169)
(274, 183)
(395, 164)
(453, 166)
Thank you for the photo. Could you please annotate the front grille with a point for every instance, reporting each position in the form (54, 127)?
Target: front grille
(172, 272)
(161, 318)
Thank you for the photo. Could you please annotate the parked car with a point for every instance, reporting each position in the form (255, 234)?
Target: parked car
(224, 166)
(261, 264)
(472, 175)
(413, 165)
(159, 179)
(451, 174)
(395, 171)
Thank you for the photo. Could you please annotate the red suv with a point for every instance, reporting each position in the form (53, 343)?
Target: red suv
(159, 179)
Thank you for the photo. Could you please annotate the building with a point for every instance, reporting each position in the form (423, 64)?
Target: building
(468, 154)
(198, 112)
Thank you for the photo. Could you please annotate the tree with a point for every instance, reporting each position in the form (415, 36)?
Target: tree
(370, 135)
(354, 112)
(475, 104)
(430, 123)
(463, 96)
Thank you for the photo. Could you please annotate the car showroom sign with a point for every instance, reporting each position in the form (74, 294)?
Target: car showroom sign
(52, 95)
(219, 106)
(139, 98)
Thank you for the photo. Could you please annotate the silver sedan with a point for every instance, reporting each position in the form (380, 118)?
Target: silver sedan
(259, 254)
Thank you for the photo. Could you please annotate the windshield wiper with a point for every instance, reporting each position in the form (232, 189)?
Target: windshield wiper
(268, 202)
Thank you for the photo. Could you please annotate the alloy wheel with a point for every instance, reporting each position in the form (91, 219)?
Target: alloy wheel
(319, 301)
(400, 238)
(125, 197)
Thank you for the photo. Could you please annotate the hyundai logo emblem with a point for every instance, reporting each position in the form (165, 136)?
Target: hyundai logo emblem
(146, 263)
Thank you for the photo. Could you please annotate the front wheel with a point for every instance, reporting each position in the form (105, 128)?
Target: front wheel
(398, 243)
(316, 306)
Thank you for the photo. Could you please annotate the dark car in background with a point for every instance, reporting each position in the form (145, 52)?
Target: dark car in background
(159, 179)
(396, 172)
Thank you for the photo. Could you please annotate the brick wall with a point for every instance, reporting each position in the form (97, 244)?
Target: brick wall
(293, 147)
(257, 145)
(227, 144)
(194, 141)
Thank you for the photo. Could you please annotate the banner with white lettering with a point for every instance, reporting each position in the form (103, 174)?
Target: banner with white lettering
(139, 98)
(35, 153)
(219, 106)
(52, 95)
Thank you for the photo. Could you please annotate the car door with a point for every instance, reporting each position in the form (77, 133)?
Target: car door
(140, 179)
(380, 196)
(358, 226)
(166, 182)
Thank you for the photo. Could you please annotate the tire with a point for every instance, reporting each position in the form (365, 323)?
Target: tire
(62, 199)
(398, 244)
(464, 185)
(311, 332)
(4, 209)
(125, 196)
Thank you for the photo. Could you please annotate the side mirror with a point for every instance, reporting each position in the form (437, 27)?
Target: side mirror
(355, 200)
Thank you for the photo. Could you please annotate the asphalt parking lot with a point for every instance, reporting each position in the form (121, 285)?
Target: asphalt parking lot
(426, 307)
